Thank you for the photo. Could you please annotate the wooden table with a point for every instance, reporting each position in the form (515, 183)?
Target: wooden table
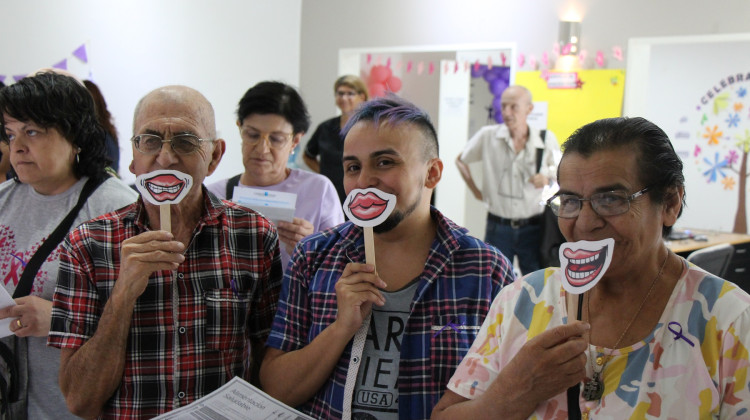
(685, 246)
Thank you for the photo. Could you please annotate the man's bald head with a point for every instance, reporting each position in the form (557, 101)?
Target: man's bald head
(522, 93)
(180, 100)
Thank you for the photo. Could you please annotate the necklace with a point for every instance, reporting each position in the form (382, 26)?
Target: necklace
(594, 388)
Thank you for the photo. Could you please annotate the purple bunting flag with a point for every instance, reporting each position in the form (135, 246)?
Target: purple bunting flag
(62, 65)
(80, 53)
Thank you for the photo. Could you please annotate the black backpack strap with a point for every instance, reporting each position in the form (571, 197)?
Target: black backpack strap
(540, 152)
(53, 240)
(231, 183)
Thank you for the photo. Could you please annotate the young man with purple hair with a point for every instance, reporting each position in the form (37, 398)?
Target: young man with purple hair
(354, 341)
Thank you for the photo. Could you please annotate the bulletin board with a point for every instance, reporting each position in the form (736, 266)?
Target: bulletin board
(598, 95)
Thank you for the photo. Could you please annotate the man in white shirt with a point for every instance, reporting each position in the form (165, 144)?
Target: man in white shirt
(514, 176)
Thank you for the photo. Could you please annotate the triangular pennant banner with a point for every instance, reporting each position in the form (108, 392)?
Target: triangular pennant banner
(80, 53)
(62, 65)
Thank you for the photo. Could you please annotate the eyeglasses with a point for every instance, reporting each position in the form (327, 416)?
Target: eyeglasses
(277, 140)
(183, 144)
(348, 93)
(611, 203)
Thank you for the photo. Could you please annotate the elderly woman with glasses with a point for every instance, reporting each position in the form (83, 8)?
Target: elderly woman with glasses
(656, 337)
(57, 152)
(272, 118)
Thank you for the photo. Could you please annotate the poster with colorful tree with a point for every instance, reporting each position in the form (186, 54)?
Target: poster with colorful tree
(697, 89)
(722, 140)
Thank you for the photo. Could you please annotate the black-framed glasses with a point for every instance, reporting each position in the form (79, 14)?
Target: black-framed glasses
(276, 139)
(183, 144)
(610, 203)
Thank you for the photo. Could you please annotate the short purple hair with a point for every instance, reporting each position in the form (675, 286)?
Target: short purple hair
(394, 110)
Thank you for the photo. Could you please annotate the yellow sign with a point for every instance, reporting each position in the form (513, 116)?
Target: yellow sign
(599, 96)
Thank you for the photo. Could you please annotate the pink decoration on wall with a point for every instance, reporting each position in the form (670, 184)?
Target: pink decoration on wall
(503, 58)
(431, 68)
(398, 65)
(532, 62)
(393, 84)
(521, 60)
(556, 48)
(466, 65)
(80, 53)
(489, 63)
(369, 58)
(565, 49)
(388, 62)
(617, 53)
(378, 59)
(582, 56)
(600, 58)
(379, 74)
(445, 68)
(476, 65)
(544, 74)
(545, 59)
(420, 68)
(408, 66)
(62, 65)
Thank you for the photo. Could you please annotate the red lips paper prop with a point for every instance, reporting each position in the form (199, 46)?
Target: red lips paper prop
(164, 186)
(369, 207)
(584, 262)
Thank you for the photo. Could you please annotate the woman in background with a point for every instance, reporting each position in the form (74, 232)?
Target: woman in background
(326, 141)
(106, 121)
(56, 146)
(272, 119)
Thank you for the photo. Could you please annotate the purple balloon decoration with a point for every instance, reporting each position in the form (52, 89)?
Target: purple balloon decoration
(478, 71)
(497, 104)
(490, 75)
(497, 86)
(498, 117)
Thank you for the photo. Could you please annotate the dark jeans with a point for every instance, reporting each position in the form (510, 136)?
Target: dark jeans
(522, 241)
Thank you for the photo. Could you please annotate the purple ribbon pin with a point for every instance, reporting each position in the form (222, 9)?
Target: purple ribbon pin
(678, 332)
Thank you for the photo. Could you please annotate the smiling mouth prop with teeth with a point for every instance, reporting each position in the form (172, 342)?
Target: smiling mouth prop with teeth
(584, 263)
(369, 207)
(164, 186)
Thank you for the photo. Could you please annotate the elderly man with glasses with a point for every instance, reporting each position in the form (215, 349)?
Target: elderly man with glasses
(149, 320)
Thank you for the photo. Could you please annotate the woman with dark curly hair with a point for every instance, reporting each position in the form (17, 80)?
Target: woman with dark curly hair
(56, 148)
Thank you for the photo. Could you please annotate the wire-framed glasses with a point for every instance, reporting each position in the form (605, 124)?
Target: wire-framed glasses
(276, 139)
(183, 144)
(610, 203)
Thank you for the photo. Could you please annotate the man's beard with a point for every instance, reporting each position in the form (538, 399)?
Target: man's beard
(397, 216)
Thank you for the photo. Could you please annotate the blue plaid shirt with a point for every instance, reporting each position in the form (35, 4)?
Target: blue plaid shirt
(461, 277)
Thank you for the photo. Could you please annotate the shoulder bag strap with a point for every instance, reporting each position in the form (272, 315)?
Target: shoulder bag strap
(231, 183)
(540, 152)
(29, 272)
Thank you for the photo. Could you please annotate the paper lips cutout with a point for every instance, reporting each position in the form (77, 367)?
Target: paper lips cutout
(164, 186)
(369, 207)
(584, 263)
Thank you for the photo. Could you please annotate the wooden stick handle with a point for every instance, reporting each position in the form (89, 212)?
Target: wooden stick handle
(165, 218)
(369, 246)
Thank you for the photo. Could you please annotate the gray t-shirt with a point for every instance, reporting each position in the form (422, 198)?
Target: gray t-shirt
(376, 391)
(26, 220)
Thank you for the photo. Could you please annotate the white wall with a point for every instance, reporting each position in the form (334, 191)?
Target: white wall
(220, 48)
(329, 25)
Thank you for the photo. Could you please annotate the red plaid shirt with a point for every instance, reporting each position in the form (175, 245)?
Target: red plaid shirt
(190, 330)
